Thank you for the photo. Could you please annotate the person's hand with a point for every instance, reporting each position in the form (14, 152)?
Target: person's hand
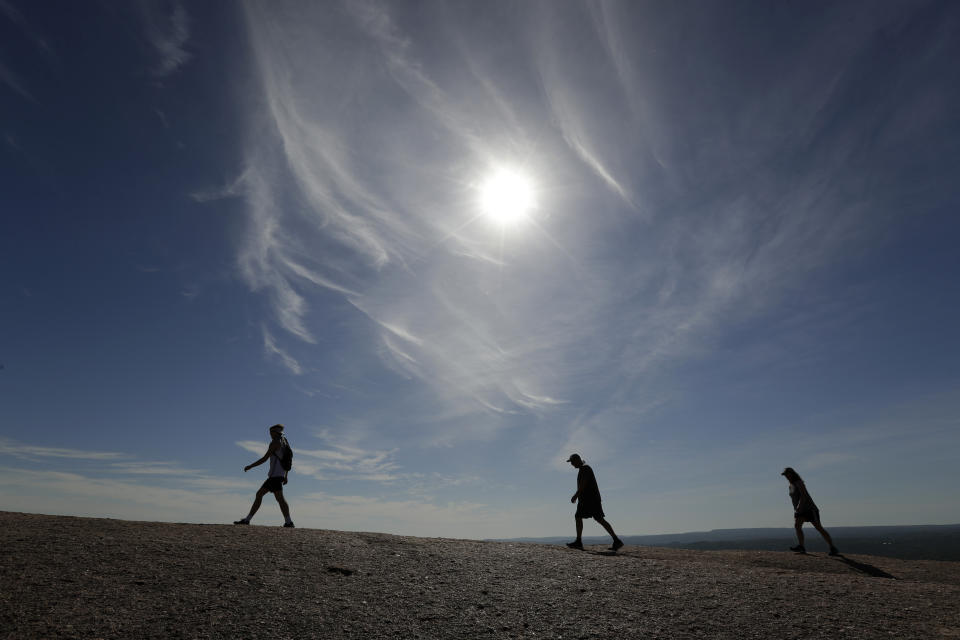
(573, 499)
(246, 468)
(284, 479)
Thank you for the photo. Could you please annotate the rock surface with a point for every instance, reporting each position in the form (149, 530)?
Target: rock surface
(65, 577)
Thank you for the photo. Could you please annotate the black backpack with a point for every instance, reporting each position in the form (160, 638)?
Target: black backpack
(286, 455)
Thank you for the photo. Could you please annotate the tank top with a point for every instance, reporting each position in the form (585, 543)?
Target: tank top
(276, 469)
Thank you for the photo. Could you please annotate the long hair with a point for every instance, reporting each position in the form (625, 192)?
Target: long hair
(793, 477)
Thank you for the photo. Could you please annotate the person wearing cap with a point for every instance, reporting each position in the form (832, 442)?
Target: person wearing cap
(804, 510)
(276, 477)
(588, 502)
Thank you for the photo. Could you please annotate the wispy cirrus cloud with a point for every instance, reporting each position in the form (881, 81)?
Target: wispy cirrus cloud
(360, 463)
(167, 27)
(432, 328)
(253, 446)
(116, 463)
(339, 460)
(23, 450)
(274, 351)
(173, 473)
(344, 461)
(646, 246)
(153, 469)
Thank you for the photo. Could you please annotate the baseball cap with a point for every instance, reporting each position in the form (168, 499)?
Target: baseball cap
(574, 456)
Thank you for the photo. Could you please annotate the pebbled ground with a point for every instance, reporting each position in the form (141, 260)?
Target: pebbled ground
(65, 577)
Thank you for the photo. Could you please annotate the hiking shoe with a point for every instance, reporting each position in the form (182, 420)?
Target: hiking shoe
(241, 522)
(799, 549)
(834, 551)
(616, 544)
(576, 544)
(288, 525)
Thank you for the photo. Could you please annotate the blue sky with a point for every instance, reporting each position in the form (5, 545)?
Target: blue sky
(741, 255)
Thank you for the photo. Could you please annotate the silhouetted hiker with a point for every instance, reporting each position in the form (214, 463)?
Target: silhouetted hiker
(589, 506)
(276, 476)
(804, 510)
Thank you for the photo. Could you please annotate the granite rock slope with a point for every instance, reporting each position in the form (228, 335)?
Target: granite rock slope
(67, 577)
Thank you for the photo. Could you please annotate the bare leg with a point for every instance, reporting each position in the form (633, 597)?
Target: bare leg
(256, 503)
(579, 528)
(606, 525)
(284, 508)
(823, 532)
(798, 525)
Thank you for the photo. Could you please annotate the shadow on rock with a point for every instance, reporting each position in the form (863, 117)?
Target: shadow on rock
(868, 569)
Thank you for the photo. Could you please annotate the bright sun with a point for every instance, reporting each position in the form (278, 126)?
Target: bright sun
(507, 197)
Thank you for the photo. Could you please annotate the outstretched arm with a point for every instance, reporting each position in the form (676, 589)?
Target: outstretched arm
(273, 447)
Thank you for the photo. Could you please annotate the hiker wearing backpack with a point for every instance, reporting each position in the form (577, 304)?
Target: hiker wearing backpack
(280, 456)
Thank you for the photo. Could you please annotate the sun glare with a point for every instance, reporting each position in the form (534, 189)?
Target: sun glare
(507, 197)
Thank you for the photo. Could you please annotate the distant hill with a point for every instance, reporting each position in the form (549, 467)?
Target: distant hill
(92, 578)
(918, 542)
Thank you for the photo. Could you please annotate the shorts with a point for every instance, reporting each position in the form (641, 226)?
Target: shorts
(273, 485)
(808, 515)
(589, 510)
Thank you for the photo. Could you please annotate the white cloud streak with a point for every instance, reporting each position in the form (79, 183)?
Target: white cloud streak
(153, 469)
(358, 185)
(274, 351)
(167, 26)
(21, 450)
(339, 460)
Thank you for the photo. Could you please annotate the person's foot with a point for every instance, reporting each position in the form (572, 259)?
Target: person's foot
(616, 544)
(799, 549)
(834, 551)
(288, 525)
(576, 544)
(241, 521)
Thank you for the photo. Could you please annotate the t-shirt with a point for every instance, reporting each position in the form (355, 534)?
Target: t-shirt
(796, 496)
(589, 491)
